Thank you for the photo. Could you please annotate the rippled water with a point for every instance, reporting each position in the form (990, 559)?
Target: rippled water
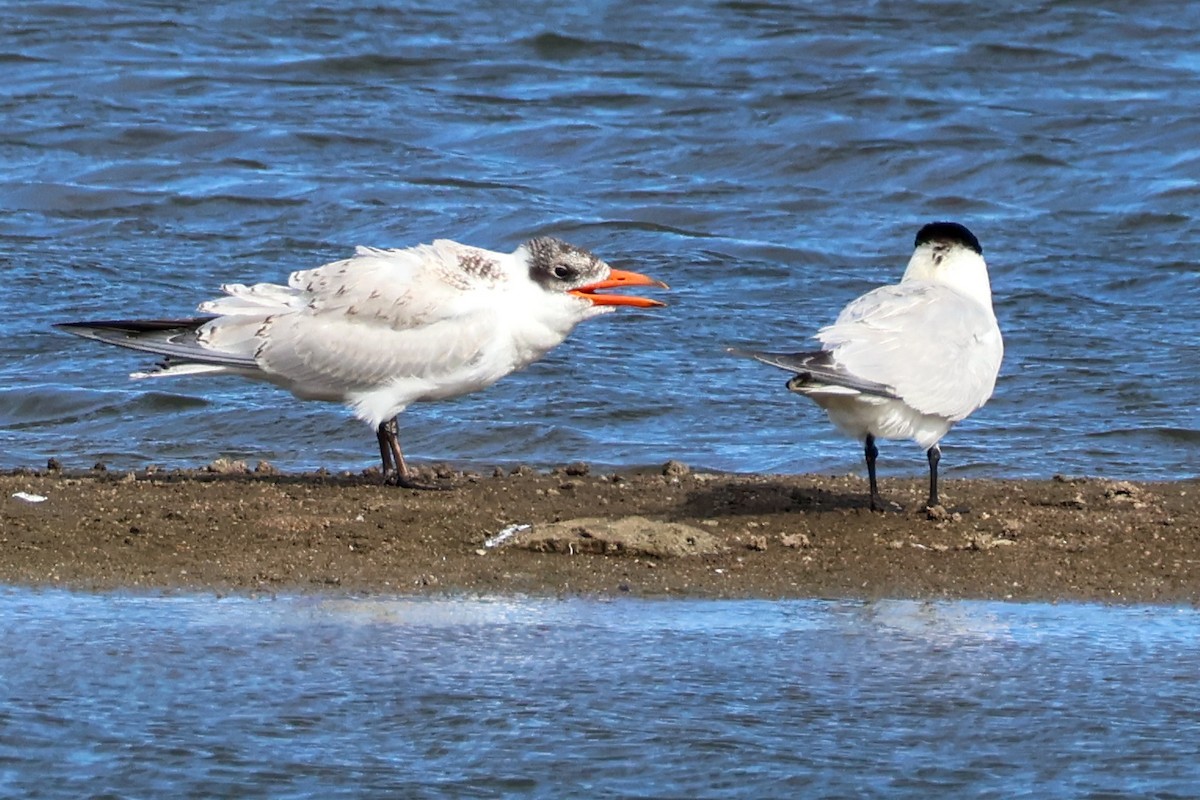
(141, 697)
(771, 161)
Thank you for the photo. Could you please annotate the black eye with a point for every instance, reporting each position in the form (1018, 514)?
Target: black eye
(563, 272)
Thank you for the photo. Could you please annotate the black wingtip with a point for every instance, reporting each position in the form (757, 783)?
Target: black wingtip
(73, 326)
(133, 325)
(953, 232)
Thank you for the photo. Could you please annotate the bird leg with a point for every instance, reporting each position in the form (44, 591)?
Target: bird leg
(385, 432)
(395, 470)
(872, 452)
(934, 455)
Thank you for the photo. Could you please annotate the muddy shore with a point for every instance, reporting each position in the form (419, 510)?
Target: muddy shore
(228, 529)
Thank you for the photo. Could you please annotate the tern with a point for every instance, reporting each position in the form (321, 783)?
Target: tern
(387, 328)
(907, 361)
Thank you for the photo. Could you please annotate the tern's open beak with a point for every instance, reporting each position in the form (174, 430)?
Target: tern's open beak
(617, 279)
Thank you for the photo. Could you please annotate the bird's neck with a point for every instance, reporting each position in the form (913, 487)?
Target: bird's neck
(962, 270)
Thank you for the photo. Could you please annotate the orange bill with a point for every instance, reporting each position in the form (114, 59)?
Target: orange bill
(618, 279)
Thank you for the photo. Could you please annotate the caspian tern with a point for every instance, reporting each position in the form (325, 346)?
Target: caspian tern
(907, 361)
(387, 328)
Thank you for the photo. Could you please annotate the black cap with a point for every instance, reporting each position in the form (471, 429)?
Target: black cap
(948, 232)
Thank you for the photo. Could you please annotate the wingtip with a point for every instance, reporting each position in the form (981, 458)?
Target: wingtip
(88, 330)
(753, 354)
(74, 328)
(792, 362)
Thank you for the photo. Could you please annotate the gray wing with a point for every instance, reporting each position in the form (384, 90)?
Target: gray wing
(177, 339)
(938, 349)
(819, 367)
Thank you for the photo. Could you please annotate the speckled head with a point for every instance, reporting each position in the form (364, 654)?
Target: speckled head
(558, 266)
(947, 233)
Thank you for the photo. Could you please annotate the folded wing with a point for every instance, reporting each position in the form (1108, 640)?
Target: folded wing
(938, 349)
(346, 326)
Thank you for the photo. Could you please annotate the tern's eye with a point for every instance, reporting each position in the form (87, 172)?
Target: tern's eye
(563, 272)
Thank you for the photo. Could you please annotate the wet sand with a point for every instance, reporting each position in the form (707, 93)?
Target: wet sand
(766, 536)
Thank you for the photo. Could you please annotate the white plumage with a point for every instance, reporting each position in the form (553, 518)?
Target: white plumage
(910, 360)
(388, 328)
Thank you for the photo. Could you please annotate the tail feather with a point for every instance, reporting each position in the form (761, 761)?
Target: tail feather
(819, 368)
(177, 339)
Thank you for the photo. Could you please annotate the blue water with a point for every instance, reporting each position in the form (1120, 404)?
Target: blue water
(111, 696)
(771, 161)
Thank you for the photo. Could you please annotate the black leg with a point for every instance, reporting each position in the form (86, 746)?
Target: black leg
(395, 470)
(384, 433)
(935, 455)
(872, 452)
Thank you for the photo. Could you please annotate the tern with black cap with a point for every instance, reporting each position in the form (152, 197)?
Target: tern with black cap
(910, 360)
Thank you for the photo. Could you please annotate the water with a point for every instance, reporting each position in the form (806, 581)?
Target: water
(771, 161)
(139, 697)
